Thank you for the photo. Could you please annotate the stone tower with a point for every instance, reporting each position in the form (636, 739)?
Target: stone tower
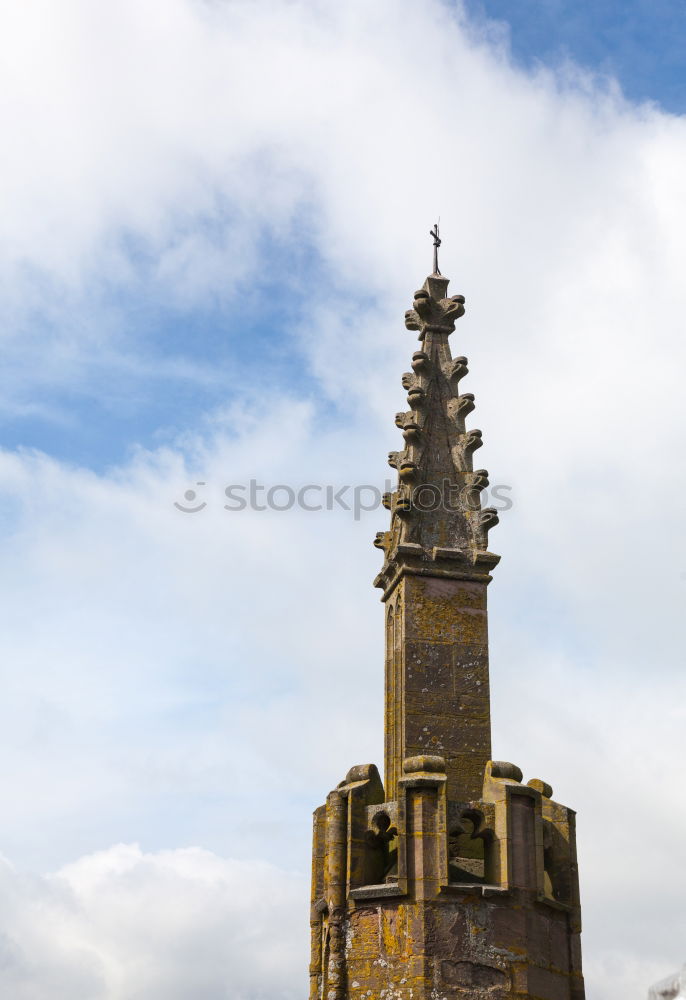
(453, 879)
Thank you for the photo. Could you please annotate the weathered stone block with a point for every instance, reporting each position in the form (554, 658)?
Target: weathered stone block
(543, 984)
(471, 974)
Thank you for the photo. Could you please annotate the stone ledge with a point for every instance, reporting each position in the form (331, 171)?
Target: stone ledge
(554, 904)
(472, 888)
(377, 891)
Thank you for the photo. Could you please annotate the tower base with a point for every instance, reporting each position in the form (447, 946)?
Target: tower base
(425, 899)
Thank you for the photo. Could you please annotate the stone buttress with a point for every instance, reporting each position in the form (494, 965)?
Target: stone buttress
(455, 880)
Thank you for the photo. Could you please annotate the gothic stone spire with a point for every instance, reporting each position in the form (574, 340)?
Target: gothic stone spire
(452, 880)
(436, 563)
(437, 523)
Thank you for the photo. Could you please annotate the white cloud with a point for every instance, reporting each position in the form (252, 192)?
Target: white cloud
(194, 677)
(152, 654)
(125, 925)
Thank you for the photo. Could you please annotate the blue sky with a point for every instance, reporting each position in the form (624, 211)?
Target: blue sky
(640, 43)
(106, 405)
(169, 360)
(109, 405)
(215, 217)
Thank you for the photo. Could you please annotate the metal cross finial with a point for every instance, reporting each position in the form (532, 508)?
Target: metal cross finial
(437, 243)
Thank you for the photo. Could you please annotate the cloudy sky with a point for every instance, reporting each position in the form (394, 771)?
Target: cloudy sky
(215, 213)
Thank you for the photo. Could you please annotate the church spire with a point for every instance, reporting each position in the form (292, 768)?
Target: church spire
(438, 525)
(451, 877)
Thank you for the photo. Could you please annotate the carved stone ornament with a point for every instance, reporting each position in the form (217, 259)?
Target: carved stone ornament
(432, 310)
